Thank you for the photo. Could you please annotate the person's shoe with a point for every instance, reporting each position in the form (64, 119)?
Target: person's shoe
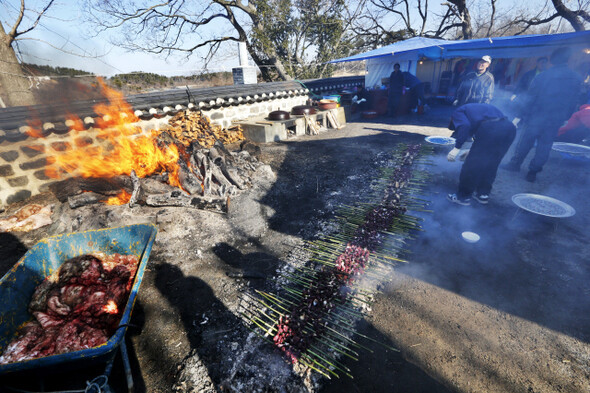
(482, 198)
(455, 199)
(531, 176)
(511, 167)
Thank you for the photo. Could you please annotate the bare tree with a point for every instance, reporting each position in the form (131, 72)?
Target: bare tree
(576, 16)
(276, 32)
(412, 18)
(13, 82)
(458, 8)
(523, 22)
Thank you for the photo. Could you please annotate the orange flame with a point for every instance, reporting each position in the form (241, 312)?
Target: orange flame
(122, 198)
(110, 307)
(122, 146)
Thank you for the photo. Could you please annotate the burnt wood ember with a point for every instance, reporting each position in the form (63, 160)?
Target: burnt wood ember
(77, 307)
(178, 198)
(189, 180)
(76, 185)
(136, 194)
(85, 198)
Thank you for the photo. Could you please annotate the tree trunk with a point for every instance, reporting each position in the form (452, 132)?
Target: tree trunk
(568, 15)
(465, 17)
(14, 86)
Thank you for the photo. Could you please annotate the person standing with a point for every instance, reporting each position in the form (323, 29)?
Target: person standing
(551, 99)
(478, 86)
(396, 86)
(526, 79)
(492, 135)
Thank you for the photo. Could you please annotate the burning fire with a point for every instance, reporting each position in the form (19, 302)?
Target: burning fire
(125, 147)
(110, 307)
(122, 198)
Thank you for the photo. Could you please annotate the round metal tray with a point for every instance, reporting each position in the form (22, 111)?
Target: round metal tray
(543, 205)
(570, 148)
(440, 140)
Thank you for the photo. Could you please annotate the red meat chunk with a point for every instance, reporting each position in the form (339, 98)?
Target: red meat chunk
(70, 307)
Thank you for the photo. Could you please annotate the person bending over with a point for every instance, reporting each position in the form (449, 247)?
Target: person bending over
(492, 135)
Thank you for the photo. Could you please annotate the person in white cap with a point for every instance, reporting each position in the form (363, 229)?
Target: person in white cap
(477, 87)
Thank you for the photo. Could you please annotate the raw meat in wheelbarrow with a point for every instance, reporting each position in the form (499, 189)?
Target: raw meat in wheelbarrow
(77, 307)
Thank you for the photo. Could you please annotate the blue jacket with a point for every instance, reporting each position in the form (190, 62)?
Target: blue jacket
(410, 80)
(466, 119)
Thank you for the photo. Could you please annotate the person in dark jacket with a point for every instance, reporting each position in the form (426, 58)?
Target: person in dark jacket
(525, 81)
(551, 99)
(492, 135)
(478, 86)
(396, 86)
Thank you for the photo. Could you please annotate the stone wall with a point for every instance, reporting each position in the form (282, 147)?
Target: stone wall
(224, 116)
(25, 159)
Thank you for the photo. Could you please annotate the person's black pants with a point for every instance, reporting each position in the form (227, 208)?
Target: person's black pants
(491, 141)
(418, 95)
(543, 133)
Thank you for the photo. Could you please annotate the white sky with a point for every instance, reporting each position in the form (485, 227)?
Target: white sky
(63, 30)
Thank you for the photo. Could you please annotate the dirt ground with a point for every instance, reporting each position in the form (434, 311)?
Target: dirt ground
(510, 313)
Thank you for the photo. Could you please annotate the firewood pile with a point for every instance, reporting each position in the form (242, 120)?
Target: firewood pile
(207, 177)
(188, 126)
(204, 178)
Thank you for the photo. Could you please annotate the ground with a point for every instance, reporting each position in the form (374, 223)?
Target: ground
(507, 314)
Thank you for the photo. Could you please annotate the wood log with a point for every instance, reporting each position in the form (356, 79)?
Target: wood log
(221, 149)
(206, 171)
(313, 128)
(77, 185)
(215, 156)
(151, 185)
(137, 191)
(219, 175)
(188, 180)
(83, 199)
(180, 199)
(232, 176)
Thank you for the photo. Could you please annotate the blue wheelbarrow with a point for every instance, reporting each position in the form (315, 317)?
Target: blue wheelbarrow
(18, 284)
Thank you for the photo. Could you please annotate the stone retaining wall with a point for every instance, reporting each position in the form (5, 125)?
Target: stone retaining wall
(24, 159)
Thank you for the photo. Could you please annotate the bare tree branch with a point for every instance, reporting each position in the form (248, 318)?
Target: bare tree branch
(492, 16)
(571, 16)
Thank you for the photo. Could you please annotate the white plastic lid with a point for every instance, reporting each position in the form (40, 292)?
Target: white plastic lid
(470, 237)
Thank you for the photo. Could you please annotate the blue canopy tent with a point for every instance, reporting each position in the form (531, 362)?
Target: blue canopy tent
(442, 53)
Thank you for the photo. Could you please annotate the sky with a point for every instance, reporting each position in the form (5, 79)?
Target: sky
(63, 30)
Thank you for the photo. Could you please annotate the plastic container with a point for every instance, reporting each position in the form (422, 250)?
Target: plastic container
(333, 98)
